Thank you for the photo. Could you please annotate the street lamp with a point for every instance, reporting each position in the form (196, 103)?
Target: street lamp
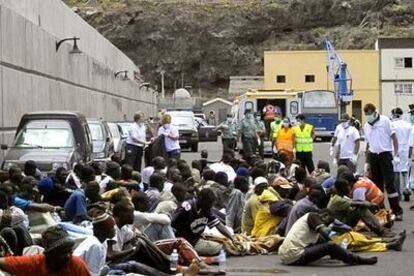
(75, 49)
(125, 75)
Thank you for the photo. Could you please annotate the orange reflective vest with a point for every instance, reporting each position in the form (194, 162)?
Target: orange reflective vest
(373, 193)
(284, 139)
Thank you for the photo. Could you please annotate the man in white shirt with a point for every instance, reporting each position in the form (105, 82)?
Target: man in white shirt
(381, 140)
(224, 166)
(93, 249)
(348, 144)
(403, 131)
(171, 135)
(136, 141)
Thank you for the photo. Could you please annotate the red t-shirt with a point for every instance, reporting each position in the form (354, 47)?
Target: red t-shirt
(36, 265)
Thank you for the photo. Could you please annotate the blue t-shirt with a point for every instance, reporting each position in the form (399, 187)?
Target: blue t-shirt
(329, 183)
(75, 206)
(22, 203)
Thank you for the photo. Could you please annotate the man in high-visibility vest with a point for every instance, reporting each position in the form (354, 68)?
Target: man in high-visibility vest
(304, 135)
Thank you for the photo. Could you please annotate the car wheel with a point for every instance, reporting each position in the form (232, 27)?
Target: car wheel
(194, 148)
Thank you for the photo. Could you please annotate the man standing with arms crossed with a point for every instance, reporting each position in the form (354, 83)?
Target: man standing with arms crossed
(380, 137)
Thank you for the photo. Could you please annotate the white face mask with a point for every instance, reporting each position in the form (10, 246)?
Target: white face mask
(286, 124)
(345, 124)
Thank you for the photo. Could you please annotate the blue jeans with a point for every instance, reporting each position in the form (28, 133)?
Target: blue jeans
(174, 154)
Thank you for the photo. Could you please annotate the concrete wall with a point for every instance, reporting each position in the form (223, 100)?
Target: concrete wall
(34, 77)
(240, 84)
(390, 76)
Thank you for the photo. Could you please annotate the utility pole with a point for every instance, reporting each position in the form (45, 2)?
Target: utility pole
(162, 84)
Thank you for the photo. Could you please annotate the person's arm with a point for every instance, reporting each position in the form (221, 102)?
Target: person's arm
(135, 137)
(223, 230)
(114, 256)
(313, 133)
(316, 224)
(42, 207)
(333, 141)
(163, 219)
(357, 146)
(395, 143)
(174, 134)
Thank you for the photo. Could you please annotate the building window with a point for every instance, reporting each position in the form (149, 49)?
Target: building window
(403, 62)
(309, 78)
(280, 78)
(403, 88)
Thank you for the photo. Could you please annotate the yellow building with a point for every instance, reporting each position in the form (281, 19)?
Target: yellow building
(306, 70)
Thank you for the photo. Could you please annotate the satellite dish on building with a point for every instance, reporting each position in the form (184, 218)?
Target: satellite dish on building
(182, 94)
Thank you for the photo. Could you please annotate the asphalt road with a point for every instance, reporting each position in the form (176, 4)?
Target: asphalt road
(390, 263)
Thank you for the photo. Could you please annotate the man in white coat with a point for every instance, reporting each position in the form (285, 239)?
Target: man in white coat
(402, 130)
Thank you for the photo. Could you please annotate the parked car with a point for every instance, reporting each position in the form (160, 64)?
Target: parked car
(103, 144)
(119, 141)
(187, 129)
(206, 132)
(200, 115)
(124, 126)
(52, 139)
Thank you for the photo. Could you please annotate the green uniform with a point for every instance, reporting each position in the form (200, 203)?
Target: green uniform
(228, 133)
(274, 127)
(261, 127)
(248, 129)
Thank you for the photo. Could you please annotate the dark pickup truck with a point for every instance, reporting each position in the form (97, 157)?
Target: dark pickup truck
(52, 139)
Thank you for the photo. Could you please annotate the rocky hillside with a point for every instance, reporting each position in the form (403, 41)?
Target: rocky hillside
(206, 41)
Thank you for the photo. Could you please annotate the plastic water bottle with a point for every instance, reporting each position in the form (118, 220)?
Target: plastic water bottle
(345, 243)
(174, 261)
(222, 260)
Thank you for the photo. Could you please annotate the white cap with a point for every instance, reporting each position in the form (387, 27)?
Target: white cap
(260, 180)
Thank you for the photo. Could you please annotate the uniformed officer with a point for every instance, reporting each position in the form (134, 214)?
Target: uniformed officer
(228, 133)
(261, 133)
(382, 150)
(402, 130)
(274, 127)
(304, 134)
(248, 134)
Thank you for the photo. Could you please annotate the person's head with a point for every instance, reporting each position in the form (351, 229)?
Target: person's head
(4, 201)
(258, 116)
(126, 172)
(396, 113)
(300, 174)
(103, 227)
(58, 247)
(260, 184)
(248, 113)
(341, 170)
(97, 166)
(222, 178)
(370, 112)
(30, 168)
(342, 187)
(229, 118)
(227, 158)
(141, 202)
(111, 185)
(241, 183)
(27, 191)
(318, 196)
(179, 191)
(301, 119)
(117, 159)
(136, 176)
(87, 174)
(243, 171)
(256, 172)
(159, 163)
(326, 216)
(277, 118)
(286, 122)
(113, 170)
(309, 182)
(77, 169)
(166, 119)
(157, 181)
(345, 120)
(323, 165)
(139, 117)
(15, 175)
(61, 175)
(204, 154)
(92, 191)
(123, 212)
(211, 112)
(349, 176)
(195, 164)
(205, 199)
(174, 175)
(209, 175)
(273, 167)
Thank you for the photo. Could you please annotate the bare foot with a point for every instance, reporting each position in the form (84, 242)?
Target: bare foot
(193, 269)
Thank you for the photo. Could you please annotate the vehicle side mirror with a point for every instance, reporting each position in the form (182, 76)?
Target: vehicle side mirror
(4, 147)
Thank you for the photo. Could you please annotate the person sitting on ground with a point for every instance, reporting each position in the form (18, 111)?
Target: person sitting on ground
(204, 159)
(224, 166)
(56, 192)
(57, 258)
(313, 202)
(112, 174)
(221, 190)
(298, 183)
(236, 200)
(93, 249)
(309, 240)
(208, 179)
(154, 190)
(322, 172)
(169, 201)
(350, 211)
(191, 219)
(196, 170)
(173, 177)
(364, 189)
(329, 184)
(126, 174)
(97, 166)
(31, 169)
(73, 180)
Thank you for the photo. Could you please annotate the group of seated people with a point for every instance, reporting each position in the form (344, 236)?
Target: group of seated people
(108, 219)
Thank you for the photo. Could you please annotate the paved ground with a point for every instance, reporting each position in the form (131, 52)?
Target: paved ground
(390, 263)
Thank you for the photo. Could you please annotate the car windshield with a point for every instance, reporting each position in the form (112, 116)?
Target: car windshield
(45, 138)
(182, 121)
(319, 99)
(114, 130)
(96, 131)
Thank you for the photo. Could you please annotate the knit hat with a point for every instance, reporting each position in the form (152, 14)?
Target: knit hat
(260, 180)
(46, 184)
(104, 221)
(56, 238)
(242, 171)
